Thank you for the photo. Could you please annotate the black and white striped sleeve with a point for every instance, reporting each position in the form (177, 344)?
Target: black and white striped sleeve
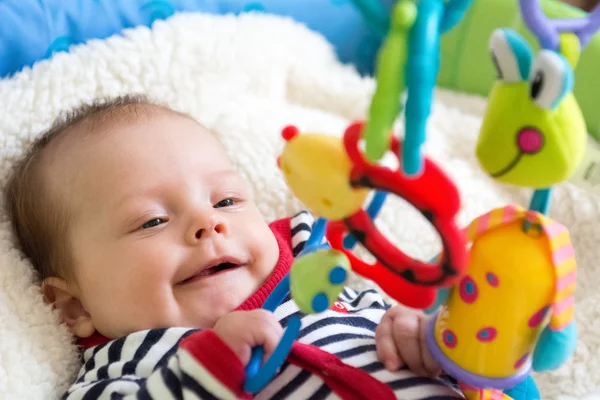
(174, 363)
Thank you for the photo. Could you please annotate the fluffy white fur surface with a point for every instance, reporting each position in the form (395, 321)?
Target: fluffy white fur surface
(245, 78)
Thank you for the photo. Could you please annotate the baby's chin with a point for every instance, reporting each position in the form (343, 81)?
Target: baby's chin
(203, 302)
(200, 304)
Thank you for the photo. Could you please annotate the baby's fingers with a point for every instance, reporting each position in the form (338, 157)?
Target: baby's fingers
(406, 335)
(268, 334)
(386, 346)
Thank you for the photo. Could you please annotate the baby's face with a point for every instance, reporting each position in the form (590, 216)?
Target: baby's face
(164, 232)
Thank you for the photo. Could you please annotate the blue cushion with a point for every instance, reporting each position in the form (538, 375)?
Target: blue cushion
(32, 30)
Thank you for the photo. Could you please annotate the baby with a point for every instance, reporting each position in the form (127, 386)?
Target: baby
(151, 248)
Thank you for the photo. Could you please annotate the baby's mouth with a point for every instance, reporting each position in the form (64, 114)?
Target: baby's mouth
(217, 269)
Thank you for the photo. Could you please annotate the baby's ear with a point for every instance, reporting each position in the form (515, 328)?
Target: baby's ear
(64, 298)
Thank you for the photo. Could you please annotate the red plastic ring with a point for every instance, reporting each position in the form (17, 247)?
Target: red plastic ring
(432, 193)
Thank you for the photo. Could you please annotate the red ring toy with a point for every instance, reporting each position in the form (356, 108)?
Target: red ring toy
(434, 195)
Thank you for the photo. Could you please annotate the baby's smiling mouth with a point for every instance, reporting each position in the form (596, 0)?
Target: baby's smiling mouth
(212, 269)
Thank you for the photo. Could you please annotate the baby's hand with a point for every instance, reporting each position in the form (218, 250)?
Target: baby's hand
(244, 330)
(400, 341)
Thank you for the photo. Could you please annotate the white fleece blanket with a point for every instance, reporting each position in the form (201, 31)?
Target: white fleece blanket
(245, 79)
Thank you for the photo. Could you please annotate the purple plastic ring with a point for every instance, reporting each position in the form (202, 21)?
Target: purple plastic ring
(547, 30)
(464, 376)
(539, 24)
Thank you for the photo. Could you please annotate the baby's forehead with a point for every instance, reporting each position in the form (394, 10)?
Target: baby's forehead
(110, 121)
(114, 125)
(118, 136)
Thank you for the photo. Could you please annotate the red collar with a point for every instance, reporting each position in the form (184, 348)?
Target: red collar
(281, 230)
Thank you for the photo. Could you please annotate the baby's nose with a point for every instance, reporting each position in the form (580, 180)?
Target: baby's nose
(202, 228)
(217, 228)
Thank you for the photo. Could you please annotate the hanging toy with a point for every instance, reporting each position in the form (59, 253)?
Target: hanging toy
(533, 132)
(332, 178)
(533, 135)
(318, 274)
(408, 59)
(504, 318)
(390, 83)
(390, 77)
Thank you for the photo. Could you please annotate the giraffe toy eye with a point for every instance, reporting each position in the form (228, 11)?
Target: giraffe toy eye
(551, 79)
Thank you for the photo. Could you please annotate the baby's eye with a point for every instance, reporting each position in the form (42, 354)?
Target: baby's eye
(153, 222)
(225, 203)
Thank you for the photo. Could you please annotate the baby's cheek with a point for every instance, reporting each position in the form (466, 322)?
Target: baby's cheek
(267, 251)
(119, 306)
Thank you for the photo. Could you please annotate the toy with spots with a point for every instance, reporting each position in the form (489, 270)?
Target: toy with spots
(502, 319)
(318, 274)
(533, 132)
(332, 178)
(317, 279)
(533, 135)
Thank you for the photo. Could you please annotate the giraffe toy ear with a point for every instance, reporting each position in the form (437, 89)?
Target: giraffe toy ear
(511, 54)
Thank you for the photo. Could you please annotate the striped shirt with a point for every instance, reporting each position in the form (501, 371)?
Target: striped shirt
(334, 357)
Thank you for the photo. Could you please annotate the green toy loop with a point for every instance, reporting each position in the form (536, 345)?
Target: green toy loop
(390, 76)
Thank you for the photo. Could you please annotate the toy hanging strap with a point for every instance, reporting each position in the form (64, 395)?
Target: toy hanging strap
(391, 63)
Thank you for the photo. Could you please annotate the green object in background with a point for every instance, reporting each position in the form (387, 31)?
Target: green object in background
(466, 65)
(391, 63)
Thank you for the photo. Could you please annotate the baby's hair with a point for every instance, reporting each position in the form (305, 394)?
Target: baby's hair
(38, 215)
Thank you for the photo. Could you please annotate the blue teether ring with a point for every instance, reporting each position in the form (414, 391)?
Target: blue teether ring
(257, 377)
